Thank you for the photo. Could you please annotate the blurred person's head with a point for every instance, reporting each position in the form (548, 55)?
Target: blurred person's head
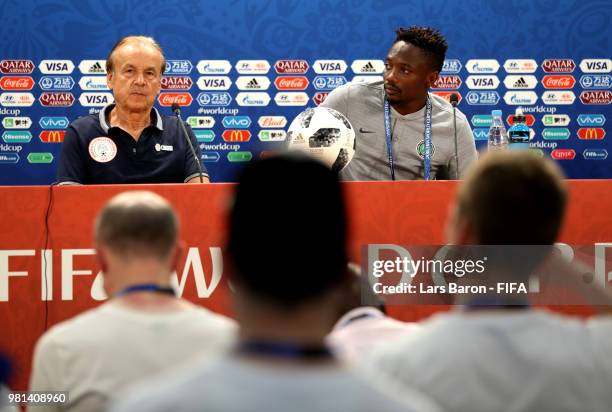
(287, 235)
(509, 198)
(136, 235)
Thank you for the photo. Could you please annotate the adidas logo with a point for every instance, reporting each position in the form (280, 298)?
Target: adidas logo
(520, 83)
(368, 68)
(96, 68)
(252, 84)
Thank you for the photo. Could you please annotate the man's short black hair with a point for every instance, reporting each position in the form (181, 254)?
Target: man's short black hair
(287, 230)
(427, 39)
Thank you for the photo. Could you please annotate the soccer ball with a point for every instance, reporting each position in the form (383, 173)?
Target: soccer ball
(324, 134)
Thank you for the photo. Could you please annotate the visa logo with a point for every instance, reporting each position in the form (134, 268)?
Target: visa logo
(603, 66)
(214, 83)
(483, 82)
(53, 123)
(56, 67)
(97, 99)
(330, 66)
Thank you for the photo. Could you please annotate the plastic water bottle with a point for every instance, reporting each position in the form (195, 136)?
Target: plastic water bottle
(518, 133)
(498, 137)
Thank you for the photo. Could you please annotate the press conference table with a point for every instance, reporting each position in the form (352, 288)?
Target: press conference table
(48, 230)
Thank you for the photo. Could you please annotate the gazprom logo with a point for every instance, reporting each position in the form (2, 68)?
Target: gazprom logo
(236, 122)
(53, 122)
(591, 120)
(214, 99)
(451, 66)
(482, 98)
(484, 66)
(481, 133)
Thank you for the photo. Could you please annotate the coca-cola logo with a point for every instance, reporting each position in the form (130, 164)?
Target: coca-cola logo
(56, 99)
(169, 98)
(558, 82)
(291, 83)
(558, 65)
(16, 66)
(291, 66)
(176, 82)
(16, 83)
(447, 82)
(596, 97)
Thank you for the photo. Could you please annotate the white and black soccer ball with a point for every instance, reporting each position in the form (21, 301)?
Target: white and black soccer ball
(324, 134)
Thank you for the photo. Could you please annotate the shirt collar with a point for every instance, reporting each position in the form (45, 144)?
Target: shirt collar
(362, 312)
(156, 119)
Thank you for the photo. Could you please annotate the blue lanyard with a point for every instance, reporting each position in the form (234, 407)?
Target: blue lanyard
(146, 287)
(284, 350)
(426, 139)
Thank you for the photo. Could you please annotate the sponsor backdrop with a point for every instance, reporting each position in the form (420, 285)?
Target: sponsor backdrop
(243, 70)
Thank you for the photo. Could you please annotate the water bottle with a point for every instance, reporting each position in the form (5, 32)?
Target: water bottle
(498, 137)
(518, 133)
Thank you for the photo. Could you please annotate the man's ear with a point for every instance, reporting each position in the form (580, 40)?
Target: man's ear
(178, 252)
(459, 231)
(431, 78)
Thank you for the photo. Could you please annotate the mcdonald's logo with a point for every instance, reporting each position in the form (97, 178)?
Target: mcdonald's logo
(236, 135)
(52, 136)
(591, 133)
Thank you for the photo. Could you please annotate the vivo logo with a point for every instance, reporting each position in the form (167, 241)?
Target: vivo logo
(481, 133)
(591, 120)
(53, 123)
(236, 122)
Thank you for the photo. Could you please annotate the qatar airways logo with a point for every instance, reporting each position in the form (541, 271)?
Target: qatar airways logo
(63, 265)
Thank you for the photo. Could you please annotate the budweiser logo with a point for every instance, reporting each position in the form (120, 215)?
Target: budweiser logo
(17, 83)
(291, 66)
(558, 82)
(272, 121)
(16, 66)
(291, 83)
(182, 99)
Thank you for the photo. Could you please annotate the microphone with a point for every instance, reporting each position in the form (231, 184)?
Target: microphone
(454, 100)
(176, 109)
